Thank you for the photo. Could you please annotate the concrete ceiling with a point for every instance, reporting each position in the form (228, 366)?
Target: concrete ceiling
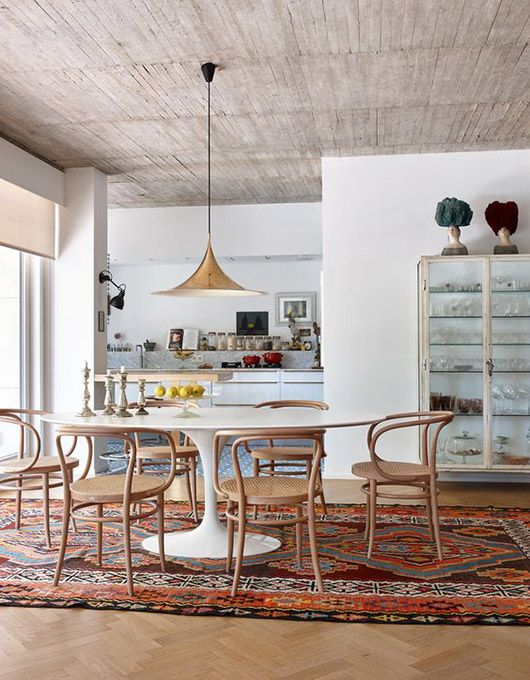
(117, 84)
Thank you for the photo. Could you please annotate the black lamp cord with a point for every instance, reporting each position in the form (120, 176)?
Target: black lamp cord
(209, 171)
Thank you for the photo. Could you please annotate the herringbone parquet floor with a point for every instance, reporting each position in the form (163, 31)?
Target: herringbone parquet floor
(48, 644)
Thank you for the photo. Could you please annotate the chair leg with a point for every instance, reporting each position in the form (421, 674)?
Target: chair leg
(367, 522)
(435, 520)
(241, 525)
(321, 494)
(160, 517)
(127, 548)
(230, 542)
(429, 512)
(298, 530)
(70, 480)
(18, 504)
(255, 472)
(373, 507)
(99, 538)
(64, 540)
(46, 507)
(313, 545)
(193, 489)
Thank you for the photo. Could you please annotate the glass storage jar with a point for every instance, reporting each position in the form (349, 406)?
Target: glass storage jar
(250, 343)
(221, 341)
(259, 343)
(240, 343)
(212, 341)
(267, 343)
(231, 342)
(276, 342)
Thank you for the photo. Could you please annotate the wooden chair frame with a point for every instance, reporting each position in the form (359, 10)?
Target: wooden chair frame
(425, 482)
(300, 501)
(27, 478)
(271, 466)
(74, 504)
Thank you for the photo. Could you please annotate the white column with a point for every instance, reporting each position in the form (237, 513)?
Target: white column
(78, 296)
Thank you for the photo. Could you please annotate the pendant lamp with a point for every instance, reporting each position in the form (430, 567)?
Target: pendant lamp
(208, 280)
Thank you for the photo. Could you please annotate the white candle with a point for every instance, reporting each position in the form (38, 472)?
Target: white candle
(122, 369)
(109, 372)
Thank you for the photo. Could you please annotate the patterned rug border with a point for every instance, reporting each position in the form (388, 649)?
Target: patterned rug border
(241, 607)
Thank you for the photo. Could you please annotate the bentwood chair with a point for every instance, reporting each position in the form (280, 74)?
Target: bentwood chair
(421, 476)
(31, 471)
(241, 492)
(126, 490)
(271, 459)
(187, 456)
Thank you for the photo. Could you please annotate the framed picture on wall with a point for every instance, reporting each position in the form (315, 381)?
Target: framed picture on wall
(252, 323)
(174, 340)
(302, 306)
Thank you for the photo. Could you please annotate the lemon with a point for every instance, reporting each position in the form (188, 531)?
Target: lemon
(185, 392)
(160, 390)
(198, 390)
(172, 392)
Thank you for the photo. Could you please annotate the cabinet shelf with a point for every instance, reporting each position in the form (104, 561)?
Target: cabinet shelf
(460, 303)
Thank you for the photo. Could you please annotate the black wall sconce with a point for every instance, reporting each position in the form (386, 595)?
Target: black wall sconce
(118, 300)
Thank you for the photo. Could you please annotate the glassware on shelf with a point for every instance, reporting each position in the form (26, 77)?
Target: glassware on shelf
(267, 343)
(463, 405)
(435, 401)
(259, 343)
(250, 343)
(221, 341)
(231, 342)
(240, 343)
(276, 342)
(212, 341)
(462, 446)
(476, 405)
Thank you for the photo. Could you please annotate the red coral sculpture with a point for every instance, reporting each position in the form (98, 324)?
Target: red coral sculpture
(502, 215)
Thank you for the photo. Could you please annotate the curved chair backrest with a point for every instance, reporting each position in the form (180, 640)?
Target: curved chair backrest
(129, 441)
(293, 403)
(244, 438)
(29, 441)
(397, 421)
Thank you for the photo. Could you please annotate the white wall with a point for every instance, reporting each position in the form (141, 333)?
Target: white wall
(147, 316)
(378, 219)
(163, 234)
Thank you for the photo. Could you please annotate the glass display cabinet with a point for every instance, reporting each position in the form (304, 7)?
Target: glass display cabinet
(475, 358)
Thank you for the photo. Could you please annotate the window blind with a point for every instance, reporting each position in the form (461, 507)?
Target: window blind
(27, 221)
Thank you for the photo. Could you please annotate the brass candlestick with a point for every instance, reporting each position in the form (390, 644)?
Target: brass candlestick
(109, 396)
(141, 411)
(123, 403)
(86, 411)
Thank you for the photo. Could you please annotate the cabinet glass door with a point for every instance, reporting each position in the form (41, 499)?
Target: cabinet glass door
(455, 358)
(510, 363)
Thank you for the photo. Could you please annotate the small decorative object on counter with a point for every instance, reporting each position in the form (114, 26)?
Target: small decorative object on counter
(453, 214)
(123, 404)
(109, 409)
(212, 341)
(86, 411)
(503, 219)
(296, 342)
(231, 342)
(149, 346)
(317, 359)
(141, 410)
(221, 341)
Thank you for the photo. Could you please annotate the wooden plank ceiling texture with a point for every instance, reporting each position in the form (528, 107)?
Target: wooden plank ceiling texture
(117, 84)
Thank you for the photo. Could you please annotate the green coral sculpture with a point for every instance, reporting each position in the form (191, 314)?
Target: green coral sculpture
(452, 212)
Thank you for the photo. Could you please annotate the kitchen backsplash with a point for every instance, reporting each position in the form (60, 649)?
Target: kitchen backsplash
(164, 359)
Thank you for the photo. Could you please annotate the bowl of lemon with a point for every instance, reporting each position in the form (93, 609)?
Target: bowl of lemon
(185, 396)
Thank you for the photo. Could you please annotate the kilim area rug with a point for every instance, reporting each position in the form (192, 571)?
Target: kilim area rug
(484, 576)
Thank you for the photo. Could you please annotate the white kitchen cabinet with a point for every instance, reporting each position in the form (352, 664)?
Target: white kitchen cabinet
(248, 387)
(307, 385)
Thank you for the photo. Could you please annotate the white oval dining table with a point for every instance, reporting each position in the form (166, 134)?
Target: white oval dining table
(209, 539)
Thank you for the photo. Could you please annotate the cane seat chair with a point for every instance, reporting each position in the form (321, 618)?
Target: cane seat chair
(381, 474)
(187, 455)
(280, 459)
(130, 491)
(244, 492)
(30, 470)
